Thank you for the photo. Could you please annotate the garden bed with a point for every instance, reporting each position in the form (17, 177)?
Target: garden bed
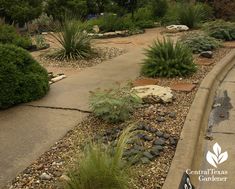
(166, 119)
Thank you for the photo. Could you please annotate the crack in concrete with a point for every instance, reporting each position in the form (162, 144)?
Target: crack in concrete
(225, 133)
(60, 108)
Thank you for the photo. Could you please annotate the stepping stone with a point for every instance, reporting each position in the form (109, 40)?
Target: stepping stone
(172, 115)
(229, 44)
(155, 152)
(172, 141)
(133, 160)
(184, 87)
(166, 136)
(204, 61)
(143, 82)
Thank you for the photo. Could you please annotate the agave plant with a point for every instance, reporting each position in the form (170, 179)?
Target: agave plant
(165, 59)
(100, 169)
(74, 43)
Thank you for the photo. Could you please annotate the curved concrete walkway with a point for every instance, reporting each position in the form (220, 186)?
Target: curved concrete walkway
(222, 128)
(28, 130)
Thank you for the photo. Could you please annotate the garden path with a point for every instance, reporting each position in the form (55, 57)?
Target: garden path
(28, 130)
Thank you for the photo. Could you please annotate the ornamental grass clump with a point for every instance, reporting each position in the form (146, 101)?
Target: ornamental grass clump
(200, 42)
(164, 59)
(74, 43)
(190, 15)
(102, 167)
(114, 106)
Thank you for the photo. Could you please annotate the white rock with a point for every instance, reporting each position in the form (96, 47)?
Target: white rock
(96, 29)
(58, 78)
(164, 93)
(64, 178)
(45, 176)
(177, 28)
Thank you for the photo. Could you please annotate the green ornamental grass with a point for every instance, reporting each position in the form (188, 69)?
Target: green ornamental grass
(99, 168)
(164, 59)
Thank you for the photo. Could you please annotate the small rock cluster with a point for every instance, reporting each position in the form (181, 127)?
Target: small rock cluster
(145, 146)
(177, 28)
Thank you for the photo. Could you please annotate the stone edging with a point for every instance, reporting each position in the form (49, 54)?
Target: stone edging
(189, 151)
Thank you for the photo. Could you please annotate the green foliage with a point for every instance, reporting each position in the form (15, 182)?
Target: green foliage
(40, 41)
(190, 15)
(159, 8)
(114, 105)
(102, 168)
(164, 59)
(20, 11)
(8, 35)
(75, 44)
(221, 30)
(43, 22)
(110, 23)
(22, 79)
(200, 42)
(143, 18)
(59, 8)
(187, 14)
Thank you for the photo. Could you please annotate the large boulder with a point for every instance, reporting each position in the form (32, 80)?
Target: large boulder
(177, 28)
(163, 93)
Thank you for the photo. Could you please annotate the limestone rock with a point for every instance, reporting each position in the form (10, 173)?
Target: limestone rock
(164, 93)
(96, 29)
(177, 28)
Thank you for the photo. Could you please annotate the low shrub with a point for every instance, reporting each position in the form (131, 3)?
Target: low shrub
(102, 167)
(221, 29)
(164, 59)
(200, 42)
(115, 105)
(43, 23)
(8, 35)
(75, 44)
(22, 79)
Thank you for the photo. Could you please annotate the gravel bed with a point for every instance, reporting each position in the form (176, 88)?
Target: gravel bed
(104, 53)
(63, 154)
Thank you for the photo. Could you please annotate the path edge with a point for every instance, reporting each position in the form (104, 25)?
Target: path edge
(189, 148)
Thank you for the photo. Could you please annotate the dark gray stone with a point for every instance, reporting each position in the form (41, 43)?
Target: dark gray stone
(162, 114)
(148, 155)
(159, 142)
(172, 141)
(145, 160)
(139, 148)
(148, 138)
(166, 136)
(161, 119)
(155, 152)
(157, 147)
(141, 135)
(206, 54)
(152, 130)
(133, 160)
(172, 115)
(159, 134)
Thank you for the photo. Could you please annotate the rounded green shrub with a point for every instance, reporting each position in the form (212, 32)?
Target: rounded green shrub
(164, 59)
(200, 42)
(8, 35)
(22, 79)
(220, 29)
